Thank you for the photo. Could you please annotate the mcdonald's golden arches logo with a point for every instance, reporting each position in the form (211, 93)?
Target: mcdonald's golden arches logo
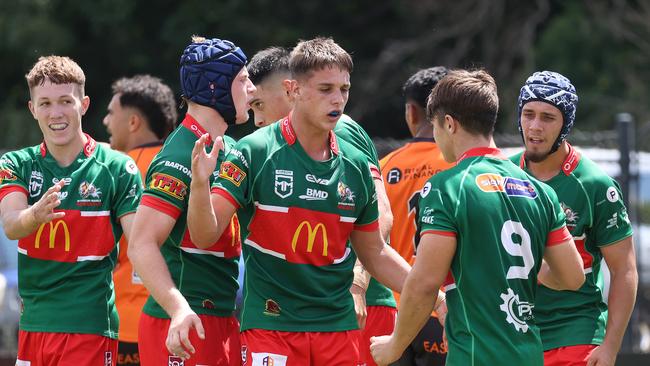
(54, 228)
(312, 232)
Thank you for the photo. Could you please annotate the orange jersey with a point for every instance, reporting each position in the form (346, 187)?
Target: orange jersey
(405, 171)
(130, 293)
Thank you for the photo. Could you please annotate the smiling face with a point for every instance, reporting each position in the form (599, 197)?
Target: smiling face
(242, 90)
(321, 96)
(58, 108)
(541, 124)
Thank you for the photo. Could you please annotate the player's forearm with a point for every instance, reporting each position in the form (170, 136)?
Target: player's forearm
(18, 224)
(389, 268)
(622, 295)
(150, 265)
(385, 212)
(201, 220)
(416, 303)
(546, 278)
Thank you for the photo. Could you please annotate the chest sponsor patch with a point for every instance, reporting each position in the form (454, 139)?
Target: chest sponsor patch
(169, 185)
(514, 187)
(232, 172)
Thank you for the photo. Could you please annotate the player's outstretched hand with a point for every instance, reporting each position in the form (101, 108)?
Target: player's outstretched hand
(178, 341)
(203, 163)
(359, 298)
(383, 350)
(43, 210)
(601, 356)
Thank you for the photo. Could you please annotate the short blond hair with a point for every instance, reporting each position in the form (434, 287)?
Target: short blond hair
(316, 54)
(58, 70)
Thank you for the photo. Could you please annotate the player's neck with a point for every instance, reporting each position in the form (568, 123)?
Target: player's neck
(551, 166)
(141, 137)
(314, 141)
(209, 119)
(466, 142)
(425, 131)
(66, 154)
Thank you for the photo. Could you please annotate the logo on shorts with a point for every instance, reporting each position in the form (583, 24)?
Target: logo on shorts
(517, 312)
(244, 350)
(108, 358)
(268, 359)
(283, 183)
(272, 308)
(175, 361)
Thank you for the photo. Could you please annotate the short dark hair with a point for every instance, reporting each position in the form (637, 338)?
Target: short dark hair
(418, 87)
(153, 98)
(268, 62)
(316, 54)
(469, 97)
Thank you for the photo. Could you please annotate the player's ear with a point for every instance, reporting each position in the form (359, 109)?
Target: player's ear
(292, 87)
(450, 124)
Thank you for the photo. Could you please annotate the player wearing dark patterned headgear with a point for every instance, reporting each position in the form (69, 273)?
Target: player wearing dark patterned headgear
(574, 325)
(189, 317)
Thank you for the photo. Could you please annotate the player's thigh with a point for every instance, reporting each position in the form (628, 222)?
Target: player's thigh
(335, 348)
(380, 321)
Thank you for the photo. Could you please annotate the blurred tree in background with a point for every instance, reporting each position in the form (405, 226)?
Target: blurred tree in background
(604, 47)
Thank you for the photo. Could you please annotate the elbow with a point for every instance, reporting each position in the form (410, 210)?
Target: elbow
(12, 235)
(575, 282)
(201, 241)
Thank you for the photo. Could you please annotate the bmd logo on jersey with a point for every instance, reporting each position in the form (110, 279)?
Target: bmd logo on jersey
(232, 172)
(283, 183)
(489, 182)
(169, 185)
(311, 236)
(53, 230)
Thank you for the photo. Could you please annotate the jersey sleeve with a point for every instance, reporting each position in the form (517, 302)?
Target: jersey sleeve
(369, 214)
(128, 188)
(558, 232)
(356, 136)
(436, 215)
(611, 222)
(11, 177)
(167, 186)
(234, 181)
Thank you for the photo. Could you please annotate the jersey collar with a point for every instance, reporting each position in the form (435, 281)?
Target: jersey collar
(89, 146)
(191, 124)
(290, 137)
(568, 165)
(489, 152)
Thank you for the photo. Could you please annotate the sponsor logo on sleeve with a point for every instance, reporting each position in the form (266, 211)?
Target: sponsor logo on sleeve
(131, 168)
(612, 195)
(612, 221)
(283, 183)
(178, 166)
(168, 185)
(232, 172)
(35, 183)
(7, 175)
(425, 190)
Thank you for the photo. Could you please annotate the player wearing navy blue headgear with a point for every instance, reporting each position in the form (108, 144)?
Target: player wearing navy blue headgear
(193, 290)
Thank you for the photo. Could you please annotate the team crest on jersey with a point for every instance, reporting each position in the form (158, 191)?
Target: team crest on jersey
(35, 183)
(514, 187)
(268, 359)
(175, 361)
(571, 216)
(168, 185)
(232, 172)
(517, 312)
(272, 308)
(283, 183)
(346, 196)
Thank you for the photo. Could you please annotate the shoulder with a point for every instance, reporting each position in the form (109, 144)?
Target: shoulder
(116, 161)
(592, 177)
(516, 158)
(17, 157)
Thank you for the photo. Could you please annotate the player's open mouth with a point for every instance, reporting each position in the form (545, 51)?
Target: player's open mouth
(535, 141)
(334, 113)
(58, 126)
